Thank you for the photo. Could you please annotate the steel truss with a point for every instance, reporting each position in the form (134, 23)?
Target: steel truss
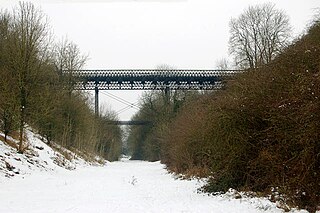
(149, 79)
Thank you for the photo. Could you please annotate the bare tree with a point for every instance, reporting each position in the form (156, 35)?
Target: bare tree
(68, 56)
(165, 67)
(8, 103)
(259, 34)
(27, 54)
(315, 21)
(222, 64)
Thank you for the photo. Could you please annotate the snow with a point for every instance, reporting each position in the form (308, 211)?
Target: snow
(124, 186)
(39, 184)
(38, 157)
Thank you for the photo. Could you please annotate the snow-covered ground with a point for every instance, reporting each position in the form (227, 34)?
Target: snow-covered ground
(43, 181)
(124, 186)
(37, 157)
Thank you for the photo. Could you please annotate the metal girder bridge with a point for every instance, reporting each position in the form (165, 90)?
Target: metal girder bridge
(139, 123)
(150, 79)
(147, 79)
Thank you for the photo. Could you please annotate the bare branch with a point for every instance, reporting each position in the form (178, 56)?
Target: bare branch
(258, 35)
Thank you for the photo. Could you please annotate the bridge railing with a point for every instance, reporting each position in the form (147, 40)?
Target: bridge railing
(154, 72)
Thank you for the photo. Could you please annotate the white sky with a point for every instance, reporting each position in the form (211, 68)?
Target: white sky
(132, 34)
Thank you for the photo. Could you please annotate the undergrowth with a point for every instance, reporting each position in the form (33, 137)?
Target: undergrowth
(261, 133)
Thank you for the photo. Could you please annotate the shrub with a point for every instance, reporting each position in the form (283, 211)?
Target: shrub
(262, 132)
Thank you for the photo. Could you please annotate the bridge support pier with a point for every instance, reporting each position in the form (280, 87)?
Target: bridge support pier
(96, 101)
(167, 95)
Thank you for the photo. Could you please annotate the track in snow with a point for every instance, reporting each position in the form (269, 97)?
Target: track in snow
(125, 186)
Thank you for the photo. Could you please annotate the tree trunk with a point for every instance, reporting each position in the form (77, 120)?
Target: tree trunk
(22, 119)
(21, 129)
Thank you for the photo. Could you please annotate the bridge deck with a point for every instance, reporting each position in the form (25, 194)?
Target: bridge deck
(150, 79)
(139, 123)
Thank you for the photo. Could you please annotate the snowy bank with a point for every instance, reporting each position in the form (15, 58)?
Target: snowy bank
(37, 157)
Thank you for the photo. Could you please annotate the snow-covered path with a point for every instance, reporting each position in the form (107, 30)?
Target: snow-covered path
(127, 186)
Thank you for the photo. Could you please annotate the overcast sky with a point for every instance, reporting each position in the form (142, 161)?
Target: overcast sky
(132, 34)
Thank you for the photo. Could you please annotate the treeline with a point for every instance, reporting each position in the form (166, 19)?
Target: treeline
(34, 92)
(159, 108)
(259, 134)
